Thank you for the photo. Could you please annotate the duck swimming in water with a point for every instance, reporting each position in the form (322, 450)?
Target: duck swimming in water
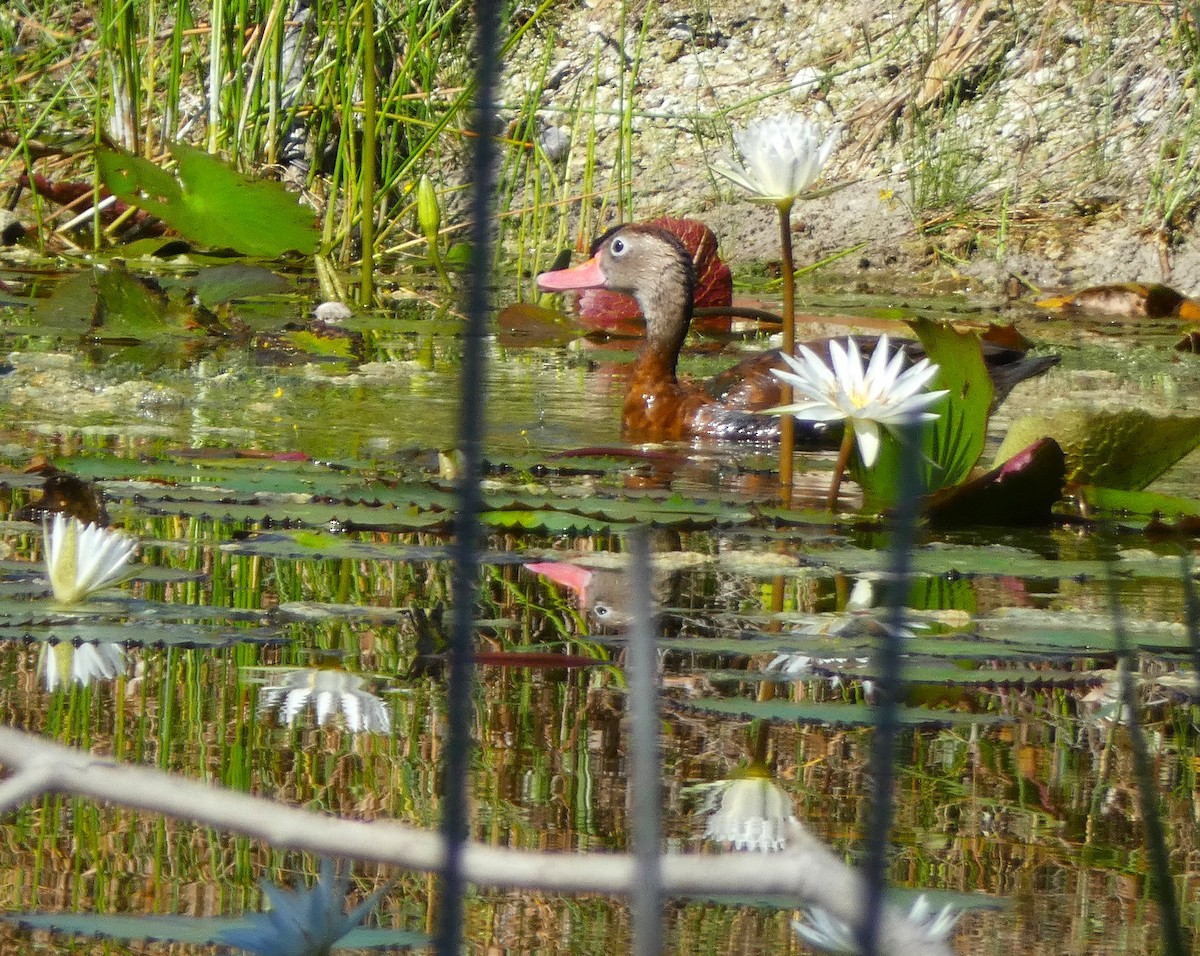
(653, 266)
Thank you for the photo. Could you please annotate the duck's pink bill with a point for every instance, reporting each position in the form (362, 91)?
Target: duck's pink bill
(584, 276)
(568, 575)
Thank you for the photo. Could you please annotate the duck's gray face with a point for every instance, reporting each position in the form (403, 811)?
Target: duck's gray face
(645, 262)
(636, 260)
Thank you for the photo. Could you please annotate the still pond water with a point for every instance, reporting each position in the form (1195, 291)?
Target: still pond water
(288, 496)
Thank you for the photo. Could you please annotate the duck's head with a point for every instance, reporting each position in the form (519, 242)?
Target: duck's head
(647, 263)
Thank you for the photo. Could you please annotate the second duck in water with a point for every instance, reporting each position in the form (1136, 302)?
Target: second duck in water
(653, 266)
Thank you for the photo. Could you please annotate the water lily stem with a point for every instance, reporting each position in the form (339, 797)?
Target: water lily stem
(787, 425)
(839, 468)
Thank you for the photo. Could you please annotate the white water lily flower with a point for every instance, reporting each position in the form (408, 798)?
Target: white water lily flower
(822, 930)
(880, 395)
(83, 559)
(330, 692)
(302, 922)
(780, 157)
(751, 813)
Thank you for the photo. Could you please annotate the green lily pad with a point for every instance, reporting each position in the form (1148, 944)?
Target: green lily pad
(1125, 449)
(836, 713)
(239, 280)
(1139, 507)
(193, 930)
(128, 307)
(68, 309)
(212, 204)
(173, 634)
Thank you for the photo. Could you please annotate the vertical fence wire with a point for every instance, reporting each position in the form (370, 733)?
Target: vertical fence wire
(645, 778)
(889, 660)
(459, 694)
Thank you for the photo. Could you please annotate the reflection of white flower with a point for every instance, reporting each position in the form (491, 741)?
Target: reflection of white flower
(83, 559)
(796, 666)
(867, 399)
(329, 691)
(825, 932)
(302, 922)
(801, 665)
(780, 157)
(937, 925)
(64, 661)
(750, 813)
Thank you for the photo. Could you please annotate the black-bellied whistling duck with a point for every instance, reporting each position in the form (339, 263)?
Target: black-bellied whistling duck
(651, 265)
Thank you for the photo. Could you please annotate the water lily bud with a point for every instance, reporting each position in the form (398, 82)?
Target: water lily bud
(429, 214)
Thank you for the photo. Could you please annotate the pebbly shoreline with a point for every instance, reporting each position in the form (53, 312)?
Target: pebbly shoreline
(982, 139)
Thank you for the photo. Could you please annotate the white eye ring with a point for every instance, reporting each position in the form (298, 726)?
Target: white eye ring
(601, 610)
(618, 247)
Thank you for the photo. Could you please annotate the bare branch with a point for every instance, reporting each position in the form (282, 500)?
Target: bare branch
(23, 787)
(807, 870)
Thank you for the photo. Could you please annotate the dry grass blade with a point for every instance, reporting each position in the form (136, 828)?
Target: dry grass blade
(968, 36)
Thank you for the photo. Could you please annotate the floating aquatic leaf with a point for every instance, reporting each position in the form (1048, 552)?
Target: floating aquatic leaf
(192, 930)
(997, 560)
(213, 204)
(524, 325)
(320, 345)
(1079, 633)
(835, 713)
(132, 308)
(325, 611)
(1155, 514)
(220, 284)
(1018, 493)
(173, 635)
(1144, 504)
(69, 308)
(1124, 449)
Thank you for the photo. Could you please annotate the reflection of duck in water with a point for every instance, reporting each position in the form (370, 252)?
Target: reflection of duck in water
(652, 265)
(604, 595)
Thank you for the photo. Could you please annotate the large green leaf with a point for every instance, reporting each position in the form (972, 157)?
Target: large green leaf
(212, 204)
(960, 432)
(1125, 449)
